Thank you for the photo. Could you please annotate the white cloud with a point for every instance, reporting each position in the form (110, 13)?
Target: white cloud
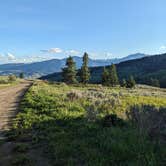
(72, 52)
(10, 56)
(162, 48)
(53, 50)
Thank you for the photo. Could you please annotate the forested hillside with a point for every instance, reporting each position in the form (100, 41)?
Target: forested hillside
(143, 70)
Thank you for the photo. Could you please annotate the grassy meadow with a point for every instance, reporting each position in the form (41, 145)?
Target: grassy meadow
(90, 125)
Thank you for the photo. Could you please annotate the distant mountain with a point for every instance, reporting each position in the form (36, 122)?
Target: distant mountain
(38, 69)
(132, 57)
(143, 70)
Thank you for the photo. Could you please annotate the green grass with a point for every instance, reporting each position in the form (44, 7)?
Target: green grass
(67, 122)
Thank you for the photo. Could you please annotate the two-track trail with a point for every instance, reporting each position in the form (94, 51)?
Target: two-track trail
(10, 98)
(9, 101)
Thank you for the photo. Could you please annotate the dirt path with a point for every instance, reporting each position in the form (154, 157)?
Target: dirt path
(9, 101)
(10, 98)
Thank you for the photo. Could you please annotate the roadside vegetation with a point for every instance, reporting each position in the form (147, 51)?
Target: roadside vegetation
(90, 125)
(8, 81)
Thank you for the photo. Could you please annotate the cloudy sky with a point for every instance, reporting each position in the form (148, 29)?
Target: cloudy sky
(35, 30)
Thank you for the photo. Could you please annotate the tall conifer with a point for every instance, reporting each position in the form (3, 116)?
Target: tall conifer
(105, 77)
(69, 72)
(113, 77)
(84, 73)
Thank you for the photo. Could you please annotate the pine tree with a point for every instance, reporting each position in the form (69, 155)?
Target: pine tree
(21, 75)
(105, 77)
(84, 73)
(113, 77)
(69, 72)
(130, 82)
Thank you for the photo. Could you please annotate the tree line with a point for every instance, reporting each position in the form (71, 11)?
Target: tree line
(109, 76)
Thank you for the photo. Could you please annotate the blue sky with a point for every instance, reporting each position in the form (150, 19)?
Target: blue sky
(34, 30)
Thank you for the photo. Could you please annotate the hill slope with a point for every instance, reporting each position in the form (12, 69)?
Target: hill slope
(46, 67)
(142, 69)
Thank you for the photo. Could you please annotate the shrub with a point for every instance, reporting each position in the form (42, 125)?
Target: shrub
(123, 83)
(91, 112)
(149, 119)
(12, 78)
(155, 82)
(112, 120)
(4, 81)
(74, 95)
(63, 84)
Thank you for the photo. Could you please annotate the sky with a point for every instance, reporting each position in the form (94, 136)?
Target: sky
(36, 30)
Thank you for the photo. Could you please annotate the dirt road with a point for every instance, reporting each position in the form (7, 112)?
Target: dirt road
(9, 101)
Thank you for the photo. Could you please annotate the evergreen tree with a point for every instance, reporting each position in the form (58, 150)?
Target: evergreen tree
(69, 72)
(84, 73)
(130, 82)
(113, 77)
(105, 77)
(123, 83)
(21, 75)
